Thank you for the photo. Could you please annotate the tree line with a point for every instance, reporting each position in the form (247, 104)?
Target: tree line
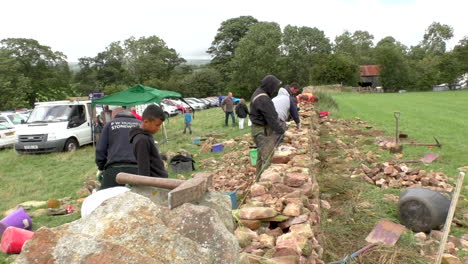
(243, 51)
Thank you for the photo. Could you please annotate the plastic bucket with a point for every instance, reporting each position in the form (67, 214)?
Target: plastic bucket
(422, 210)
(217, 148)
(14, 238)
(233, 196)
(196, 140)
(253, 157)
(18, 218)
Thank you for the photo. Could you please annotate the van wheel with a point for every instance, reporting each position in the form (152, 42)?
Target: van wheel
(71, 145)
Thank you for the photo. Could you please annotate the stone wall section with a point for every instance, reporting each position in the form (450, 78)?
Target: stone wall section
(279, 222)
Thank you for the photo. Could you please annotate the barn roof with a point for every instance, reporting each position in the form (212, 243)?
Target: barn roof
(370, 70)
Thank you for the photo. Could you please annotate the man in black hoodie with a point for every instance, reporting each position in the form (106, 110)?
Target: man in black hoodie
(266, 129)
(113, 151)
(147, 155)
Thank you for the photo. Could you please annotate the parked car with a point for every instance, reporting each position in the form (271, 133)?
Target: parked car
(13, 119)
(214, 101)
(206, 101)
(194, 104)
(55, 126)
(170, 109)
(7, 134)
(177, 103)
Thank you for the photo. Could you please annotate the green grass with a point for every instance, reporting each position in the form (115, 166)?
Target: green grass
(423, 115)
(58, 175)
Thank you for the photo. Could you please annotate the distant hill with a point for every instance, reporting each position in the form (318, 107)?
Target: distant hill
(197, 61)
(75, 67)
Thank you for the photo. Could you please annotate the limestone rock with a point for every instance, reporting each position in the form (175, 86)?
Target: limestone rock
(125, 223)
(202, 225)
(257, 190)
(251, 224)
(253, 213)
(293, 209)
(244, 236)
(420, 237)
(325, 204)
(266, 241)
(294, 221)
(302, 229)
(450, 259)
(295, 179)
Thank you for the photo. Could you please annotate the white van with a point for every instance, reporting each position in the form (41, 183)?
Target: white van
(55, 126)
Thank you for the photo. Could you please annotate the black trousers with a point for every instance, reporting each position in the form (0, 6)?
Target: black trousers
(110, 173)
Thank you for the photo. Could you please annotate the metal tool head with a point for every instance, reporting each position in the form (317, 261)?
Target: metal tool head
(190, 190)
(385, 232)
(438, 143)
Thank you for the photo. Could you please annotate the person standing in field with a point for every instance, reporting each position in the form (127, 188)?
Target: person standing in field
(146, 153)
(266, 129)
(286, 108)
(228, 107)
(242, 111)
(188, 121)
(114, 151)
(134, 112)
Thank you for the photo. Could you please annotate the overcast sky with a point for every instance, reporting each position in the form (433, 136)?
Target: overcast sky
(85, 27)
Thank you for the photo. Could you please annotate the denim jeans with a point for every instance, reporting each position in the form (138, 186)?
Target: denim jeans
(233, 118)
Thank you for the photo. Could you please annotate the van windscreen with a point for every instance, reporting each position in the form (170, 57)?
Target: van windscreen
(51, 113)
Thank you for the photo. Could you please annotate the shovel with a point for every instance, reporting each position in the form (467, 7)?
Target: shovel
(385, 232)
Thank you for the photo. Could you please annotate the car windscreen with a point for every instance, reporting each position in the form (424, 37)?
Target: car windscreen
(51, 113)
(15, 118)
(4, 124)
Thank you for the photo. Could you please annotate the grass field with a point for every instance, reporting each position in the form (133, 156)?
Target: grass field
(423, 115)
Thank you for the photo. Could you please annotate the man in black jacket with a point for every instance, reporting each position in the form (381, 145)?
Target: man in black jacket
(147, 155)
(114, 151)
(266, 129)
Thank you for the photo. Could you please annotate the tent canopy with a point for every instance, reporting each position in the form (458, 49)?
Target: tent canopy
(136, 95)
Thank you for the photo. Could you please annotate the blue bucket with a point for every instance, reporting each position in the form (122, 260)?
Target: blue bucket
(196, 140)
(233, 196)
(217, 148)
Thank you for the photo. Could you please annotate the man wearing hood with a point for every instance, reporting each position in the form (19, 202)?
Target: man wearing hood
(266, 129)
(113, 151)
(285, 107)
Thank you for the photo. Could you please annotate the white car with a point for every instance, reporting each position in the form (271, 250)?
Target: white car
(7, 134)
(13, 119)
(170, 109)
(194, 104)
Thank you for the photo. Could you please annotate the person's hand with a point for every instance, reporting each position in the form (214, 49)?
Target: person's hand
(299, 126)
(99, 175)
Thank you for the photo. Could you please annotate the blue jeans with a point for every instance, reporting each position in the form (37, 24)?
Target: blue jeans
(227, 118)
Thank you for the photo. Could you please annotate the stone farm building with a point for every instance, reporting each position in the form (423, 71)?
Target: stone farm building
(369, 76)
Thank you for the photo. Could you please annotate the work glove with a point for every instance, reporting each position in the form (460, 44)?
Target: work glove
(298, 126)
(99, 176)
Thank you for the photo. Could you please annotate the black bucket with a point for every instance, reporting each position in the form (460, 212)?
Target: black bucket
(422, 210)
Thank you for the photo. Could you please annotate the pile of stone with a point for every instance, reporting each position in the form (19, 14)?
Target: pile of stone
(233, 171)
(137, 227)
(400, 175)
(280, 219)
(429, 245)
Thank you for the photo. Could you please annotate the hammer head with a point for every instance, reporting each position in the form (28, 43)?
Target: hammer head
(190, 190)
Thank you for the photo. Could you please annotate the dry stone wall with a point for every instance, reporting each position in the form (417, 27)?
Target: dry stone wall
(279, 222)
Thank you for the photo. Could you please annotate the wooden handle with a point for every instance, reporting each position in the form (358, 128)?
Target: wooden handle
(127, 178)
(448, 221)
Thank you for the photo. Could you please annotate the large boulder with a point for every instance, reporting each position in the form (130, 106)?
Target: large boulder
(202, 225)
(130, 228)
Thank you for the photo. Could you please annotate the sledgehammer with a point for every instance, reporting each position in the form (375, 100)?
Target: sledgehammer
(182, 191)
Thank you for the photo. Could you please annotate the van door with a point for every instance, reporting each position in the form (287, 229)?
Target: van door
(82, 129)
